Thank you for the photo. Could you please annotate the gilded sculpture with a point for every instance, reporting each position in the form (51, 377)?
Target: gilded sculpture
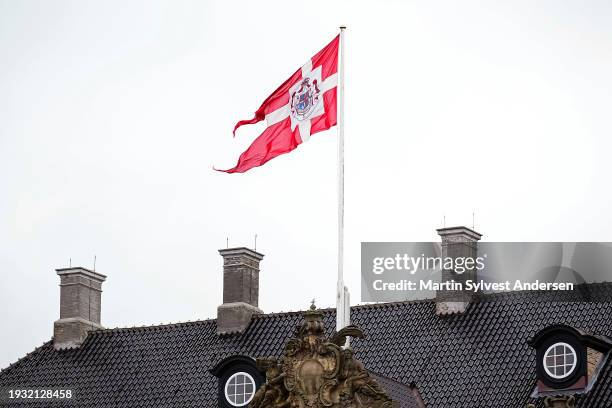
(316, 372)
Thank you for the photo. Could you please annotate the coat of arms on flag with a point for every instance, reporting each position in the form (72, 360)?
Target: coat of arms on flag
(303, 105)
(305, 98)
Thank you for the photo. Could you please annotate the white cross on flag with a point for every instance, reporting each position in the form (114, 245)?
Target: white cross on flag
(302, 106)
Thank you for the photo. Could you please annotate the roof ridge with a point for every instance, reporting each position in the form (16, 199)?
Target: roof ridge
(289, 313)
(108, 330)
(499, 295)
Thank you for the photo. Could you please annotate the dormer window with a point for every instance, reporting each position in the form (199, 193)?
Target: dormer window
(560, 360)
(238, 381)
(567, 360)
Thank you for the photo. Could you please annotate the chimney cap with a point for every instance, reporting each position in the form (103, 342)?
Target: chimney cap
(241, 251)
(79, 270)
(465, 231)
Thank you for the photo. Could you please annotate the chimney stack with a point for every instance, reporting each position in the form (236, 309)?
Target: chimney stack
(457, 242)
(80, 301)
(240, 289)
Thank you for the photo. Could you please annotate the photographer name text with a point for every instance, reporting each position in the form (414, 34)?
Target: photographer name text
(470, 285)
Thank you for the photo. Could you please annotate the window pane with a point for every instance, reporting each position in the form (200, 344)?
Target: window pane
(559, 360)
(239, 389)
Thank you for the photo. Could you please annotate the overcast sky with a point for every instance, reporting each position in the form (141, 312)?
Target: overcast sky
(113, 113)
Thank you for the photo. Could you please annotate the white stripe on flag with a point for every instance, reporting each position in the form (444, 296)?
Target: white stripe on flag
(278, 115)
(304, 130)
(306, 68)
(329, 83)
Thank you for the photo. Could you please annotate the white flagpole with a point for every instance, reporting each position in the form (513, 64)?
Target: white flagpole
(342, 309)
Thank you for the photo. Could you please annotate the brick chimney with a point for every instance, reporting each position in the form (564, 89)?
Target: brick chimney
(80, 301)
(240, 289)
(457, 242)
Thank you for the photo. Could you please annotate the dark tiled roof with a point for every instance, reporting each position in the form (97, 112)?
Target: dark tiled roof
(478, 359)
(406, 396)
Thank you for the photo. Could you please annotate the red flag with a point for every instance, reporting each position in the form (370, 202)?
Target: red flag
(302, 106)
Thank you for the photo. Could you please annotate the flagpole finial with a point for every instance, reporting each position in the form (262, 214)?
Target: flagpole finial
(343, 27)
